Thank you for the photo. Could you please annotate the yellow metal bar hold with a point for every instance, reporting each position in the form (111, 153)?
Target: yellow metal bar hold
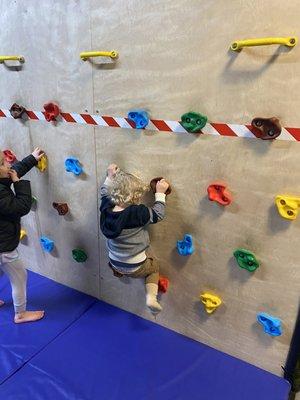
(290, 41)
(12, 58)
(89, 54)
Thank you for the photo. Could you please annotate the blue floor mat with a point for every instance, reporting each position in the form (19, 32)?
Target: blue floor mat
(19, 343)
(88, 350)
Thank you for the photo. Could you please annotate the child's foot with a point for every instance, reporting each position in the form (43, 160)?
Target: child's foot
(28, 316)
(153, 304)
(1, 303)
(151, 297)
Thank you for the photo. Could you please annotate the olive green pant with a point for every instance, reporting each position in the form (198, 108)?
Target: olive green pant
(148, 270)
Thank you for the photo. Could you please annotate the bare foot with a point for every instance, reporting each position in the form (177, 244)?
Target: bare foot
(28, 316)
(1, 303)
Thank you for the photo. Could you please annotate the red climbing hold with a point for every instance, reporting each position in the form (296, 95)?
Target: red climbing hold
(218, 192)
(163, 284)
(9, 156)
(51, 111)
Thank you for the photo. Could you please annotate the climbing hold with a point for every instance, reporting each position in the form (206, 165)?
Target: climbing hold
(62, 208)
(185, 247)
(267, 128)
(79, 255)
(73, 165)
(288, 206)
(51, 111)
(17, 111)
(210, 301)
(163, 284)
(193, 122)
(33, 200)
(47, 244)
(139, 117)
(90, 54)
(42, 163)
(246, 259)
(9, 156)
(23, 233)
(290, 41)
(271, 325)
(153, 185)
(218, 192)
(21, 59)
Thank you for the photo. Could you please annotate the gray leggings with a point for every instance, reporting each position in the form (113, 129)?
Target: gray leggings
(11, 265)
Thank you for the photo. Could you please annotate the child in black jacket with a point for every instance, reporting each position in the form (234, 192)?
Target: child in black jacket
(13, 206)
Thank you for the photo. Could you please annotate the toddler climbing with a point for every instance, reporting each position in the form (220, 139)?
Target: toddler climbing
(124, 223)
(14, 205)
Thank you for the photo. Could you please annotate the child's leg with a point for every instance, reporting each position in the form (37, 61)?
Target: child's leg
(150, 270)
(18, 279)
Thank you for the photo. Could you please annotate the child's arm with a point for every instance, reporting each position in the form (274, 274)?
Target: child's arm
(24, 166)
(18, 205)
(105, 187)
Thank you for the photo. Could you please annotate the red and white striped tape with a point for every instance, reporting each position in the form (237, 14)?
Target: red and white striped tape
(234, 130)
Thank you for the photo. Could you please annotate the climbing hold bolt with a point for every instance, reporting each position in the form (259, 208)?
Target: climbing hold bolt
(17, 111)
(246, 259)
(288, 206)
(193, 122)
(139, 117)
(210, 301)
(79, 255)
(9, 156)
(163, 284)
(153, 185)
(185, 247)
(73, 165)
(271, 325)
(62, 208)
(217, 191)
(51, 111)
(266, 128)
(47, 244)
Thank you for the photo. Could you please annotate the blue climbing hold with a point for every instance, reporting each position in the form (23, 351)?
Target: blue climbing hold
(47, 244)
(185, 247)
(271, 325)
(73, 165)
(139, 117)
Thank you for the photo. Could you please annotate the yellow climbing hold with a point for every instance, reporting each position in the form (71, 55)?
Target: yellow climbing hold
(288, 206)
(42, 164)
(210, 301)
(23, 233)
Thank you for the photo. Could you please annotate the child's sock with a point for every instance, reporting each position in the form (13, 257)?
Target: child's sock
(151, 297)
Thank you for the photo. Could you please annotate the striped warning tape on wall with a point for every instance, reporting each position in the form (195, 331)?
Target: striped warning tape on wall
(234, 130)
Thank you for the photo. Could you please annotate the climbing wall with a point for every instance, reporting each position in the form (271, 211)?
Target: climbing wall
(174, 57)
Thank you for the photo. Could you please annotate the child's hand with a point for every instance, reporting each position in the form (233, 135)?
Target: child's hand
(162, 186)
(38, 153)
(112, 170)
(13, 175)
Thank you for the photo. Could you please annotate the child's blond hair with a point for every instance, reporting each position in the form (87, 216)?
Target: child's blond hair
(127, 189)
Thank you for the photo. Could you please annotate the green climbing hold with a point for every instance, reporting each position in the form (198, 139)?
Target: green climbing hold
(193, 122)
(246, 259)
(33, 200)
(79, 255)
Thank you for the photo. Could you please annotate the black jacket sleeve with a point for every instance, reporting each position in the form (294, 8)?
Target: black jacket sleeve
(24, 166)
(18, 205)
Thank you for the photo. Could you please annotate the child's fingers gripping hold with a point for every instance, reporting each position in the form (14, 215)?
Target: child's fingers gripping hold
(38, 153)
(112, 169)
(162, 186)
